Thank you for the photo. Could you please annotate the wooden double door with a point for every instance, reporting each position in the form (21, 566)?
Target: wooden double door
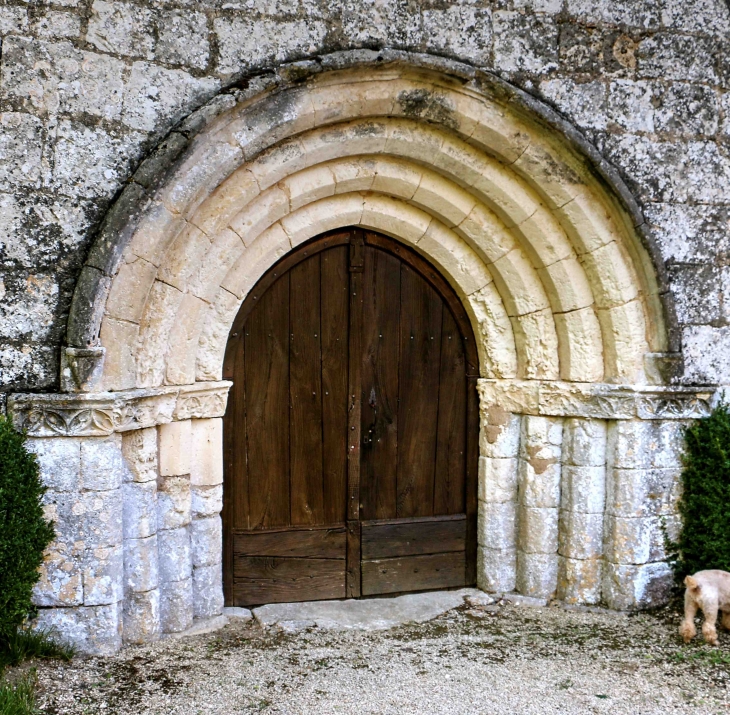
(350, 437)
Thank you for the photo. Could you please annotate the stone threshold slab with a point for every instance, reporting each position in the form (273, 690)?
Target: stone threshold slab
(370, 614)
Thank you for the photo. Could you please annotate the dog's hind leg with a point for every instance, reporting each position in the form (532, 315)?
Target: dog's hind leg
(687, 628)
(708, 627)
(726, 620)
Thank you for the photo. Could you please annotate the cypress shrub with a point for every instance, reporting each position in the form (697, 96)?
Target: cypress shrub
(704, 541)
(24, 533)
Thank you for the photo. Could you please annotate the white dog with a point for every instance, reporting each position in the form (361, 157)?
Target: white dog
(710, 591)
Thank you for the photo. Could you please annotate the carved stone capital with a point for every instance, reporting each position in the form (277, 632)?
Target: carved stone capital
(102, 413)
(597, 400)
(81, 368)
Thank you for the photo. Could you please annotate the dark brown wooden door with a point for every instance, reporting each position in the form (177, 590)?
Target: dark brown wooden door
(350, 436)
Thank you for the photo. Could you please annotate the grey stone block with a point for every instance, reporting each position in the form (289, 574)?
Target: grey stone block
(174, 554)
(176, 606)
(642, 492)
(579, 581)
(206, 538)
(142, 617)
(584, 442)
(206, 501)
(496, 528)
(102, 467)
(580, 535)
(96, 630)
(537, 575)
(102, 571)
(629, 587)
(537, 531)
(59, 460)
(208, 590)
(496, 569)
(140, 509)
(583, 489)
(173, 502)
(141, 565)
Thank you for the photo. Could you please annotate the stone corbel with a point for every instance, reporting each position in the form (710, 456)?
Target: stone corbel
(81, 368)
(597, 400)
(100, 414)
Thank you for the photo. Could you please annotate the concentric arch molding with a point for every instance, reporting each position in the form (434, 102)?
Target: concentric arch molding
(102, 413)
(597, 400)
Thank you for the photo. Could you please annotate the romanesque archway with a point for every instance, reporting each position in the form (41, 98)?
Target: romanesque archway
(578, 458)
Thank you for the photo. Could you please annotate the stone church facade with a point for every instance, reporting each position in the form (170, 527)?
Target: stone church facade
(563, 165)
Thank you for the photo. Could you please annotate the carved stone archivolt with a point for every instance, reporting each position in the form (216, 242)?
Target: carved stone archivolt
(102, 413)
(597, 400)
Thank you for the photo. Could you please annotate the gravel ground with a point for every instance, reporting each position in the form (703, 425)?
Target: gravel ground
(492, 659)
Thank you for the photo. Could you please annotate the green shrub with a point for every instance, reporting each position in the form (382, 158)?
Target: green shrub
(24, 533)
(704, 541)
(18, 697)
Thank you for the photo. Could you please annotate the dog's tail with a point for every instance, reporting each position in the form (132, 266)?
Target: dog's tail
(691, 583)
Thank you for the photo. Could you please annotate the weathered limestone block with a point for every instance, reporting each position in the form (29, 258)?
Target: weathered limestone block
(59, 461)
(174, 554)
(579, 581)
(208, 590)
(96, 630)
(580, 535)
(141, 569)
(206, 537)
(207, 451)
(496, 525)
(497, 479)
(643, 492)
(206, 501)
(139, 509)
(584, 442)
(627, 586)
(86, 520)
(173, 502)
(176, 605)
(537, 531)
(496, 569)
(102, 467)
(141, 617)
(583, 489)
(537, 574)
(139, 449)
(175, 448)
(646, 444)
(60, 582)
(500, 432)
(630, 540)
(102, 575)
(539, 471)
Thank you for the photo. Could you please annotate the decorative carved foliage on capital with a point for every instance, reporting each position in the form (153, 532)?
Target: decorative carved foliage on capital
(101, 414)
(598, 401)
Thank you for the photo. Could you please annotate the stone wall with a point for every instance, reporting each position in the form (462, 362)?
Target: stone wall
(87, 87)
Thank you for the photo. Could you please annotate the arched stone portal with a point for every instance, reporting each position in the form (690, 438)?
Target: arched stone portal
(579, 436)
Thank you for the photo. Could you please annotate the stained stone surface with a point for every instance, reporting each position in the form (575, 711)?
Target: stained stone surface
(368, 614)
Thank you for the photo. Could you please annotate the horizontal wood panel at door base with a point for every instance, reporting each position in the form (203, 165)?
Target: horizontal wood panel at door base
(326, 543)
(414, 573)
(413, 537)
(264, 579)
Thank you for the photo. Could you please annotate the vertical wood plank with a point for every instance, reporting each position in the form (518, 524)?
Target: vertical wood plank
(420, 355)
(266, 346)
(472, 465)
(450, 471)
(380, 352)
(305, 394)
(335, 313)
(354, 413)
(235, 486)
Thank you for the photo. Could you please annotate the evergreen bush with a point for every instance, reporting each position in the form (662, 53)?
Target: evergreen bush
(24, 533)
(704, 541)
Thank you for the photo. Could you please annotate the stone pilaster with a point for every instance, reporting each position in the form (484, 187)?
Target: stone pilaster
(497, 535)
(538, 506)
(173, 527)
(582, 504)
(141, 573)
(643, 471)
